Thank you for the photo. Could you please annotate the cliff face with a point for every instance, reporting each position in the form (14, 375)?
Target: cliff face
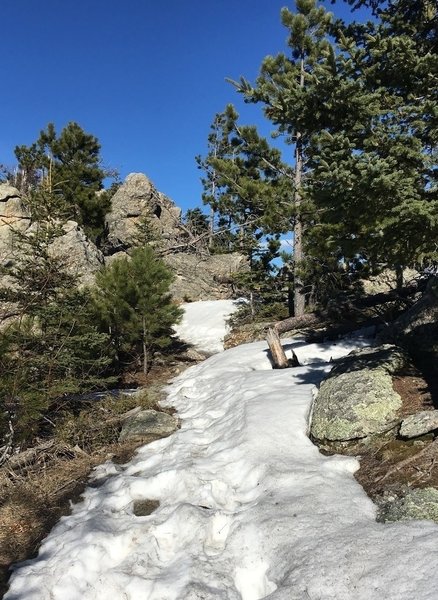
(197, 276)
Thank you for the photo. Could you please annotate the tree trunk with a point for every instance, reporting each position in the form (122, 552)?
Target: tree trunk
(278, 356)
(211, 229)
(145, 350)
(299, 299)
(399, 277)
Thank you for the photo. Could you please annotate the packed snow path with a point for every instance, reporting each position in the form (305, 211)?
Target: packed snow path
(249, 508)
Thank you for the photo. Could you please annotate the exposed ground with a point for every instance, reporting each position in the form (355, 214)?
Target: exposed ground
(388, 469)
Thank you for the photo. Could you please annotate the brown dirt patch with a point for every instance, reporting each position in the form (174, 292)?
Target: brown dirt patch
(392, 465)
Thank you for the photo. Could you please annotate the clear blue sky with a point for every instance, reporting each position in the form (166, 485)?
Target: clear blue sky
(144, 76)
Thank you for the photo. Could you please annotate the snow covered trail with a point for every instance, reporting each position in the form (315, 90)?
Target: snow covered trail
(249, 508)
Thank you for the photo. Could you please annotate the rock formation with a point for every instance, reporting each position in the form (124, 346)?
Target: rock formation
(197, 276)
(203, 277)
(13, 217)
(82, 258)
(135, 199)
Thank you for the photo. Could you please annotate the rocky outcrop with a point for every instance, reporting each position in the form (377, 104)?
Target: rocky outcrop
(14, 217)
(81, 257)
(386, 281)
(203, 277)
(148, 424)
(357, 400)
(135, 199)
(197, 276)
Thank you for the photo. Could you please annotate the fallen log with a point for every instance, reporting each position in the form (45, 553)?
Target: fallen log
(28, 457)
(324, 318)
(307, 320)
(332, 327)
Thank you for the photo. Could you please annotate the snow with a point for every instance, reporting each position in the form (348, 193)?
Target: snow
(249, 508)
(204, 323)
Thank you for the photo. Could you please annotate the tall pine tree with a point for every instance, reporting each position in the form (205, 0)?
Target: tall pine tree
(285, 87)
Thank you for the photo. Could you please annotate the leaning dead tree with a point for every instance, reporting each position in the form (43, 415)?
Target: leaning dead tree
(332, 324)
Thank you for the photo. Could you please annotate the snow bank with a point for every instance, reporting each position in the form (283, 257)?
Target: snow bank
(249, 508)
(204, 324)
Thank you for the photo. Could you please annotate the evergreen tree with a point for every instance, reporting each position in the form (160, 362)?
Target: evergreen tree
(375, 166)
(285, 87)
(69, 166)
(250, 196)
(135, 304)
(53, 346)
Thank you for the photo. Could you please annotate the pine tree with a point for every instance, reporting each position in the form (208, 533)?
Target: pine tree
(250, 195)
(135, 304)
(285, 87)
(53, 346)
(375, 165)
(69, 166)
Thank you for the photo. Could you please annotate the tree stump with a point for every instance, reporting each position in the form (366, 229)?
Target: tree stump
(279, 358)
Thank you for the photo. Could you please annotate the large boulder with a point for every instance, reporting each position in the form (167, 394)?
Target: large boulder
(135, 199)
(82, 257)
(357, 399)
(79, 255)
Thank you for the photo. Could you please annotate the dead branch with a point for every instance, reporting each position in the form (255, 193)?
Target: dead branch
(28, 457)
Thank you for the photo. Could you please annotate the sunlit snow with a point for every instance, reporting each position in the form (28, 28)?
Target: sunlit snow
(204, 323)
(249, 508)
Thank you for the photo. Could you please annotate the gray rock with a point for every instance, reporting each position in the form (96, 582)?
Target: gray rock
(14, 217)
(136, 198)
(416, 504)
(198, 276)
(148, 424)
(142, 508)
(83, 259)
(8, 191)
(80, 256)
(419, 424)
(204, 277)
(357, 399)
